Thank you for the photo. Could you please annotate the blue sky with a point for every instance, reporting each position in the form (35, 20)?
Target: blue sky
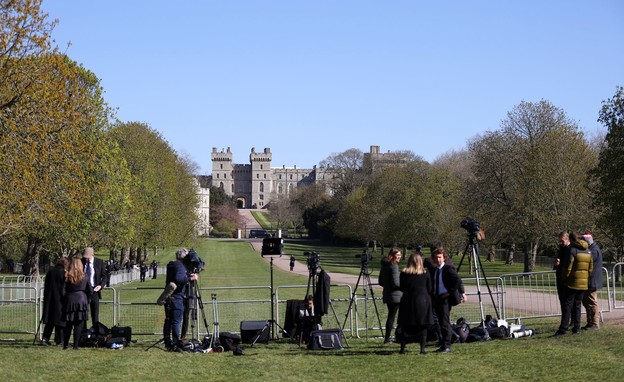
(313, 78)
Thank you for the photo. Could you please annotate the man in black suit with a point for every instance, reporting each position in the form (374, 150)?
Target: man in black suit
(446, 293)
(95, 272)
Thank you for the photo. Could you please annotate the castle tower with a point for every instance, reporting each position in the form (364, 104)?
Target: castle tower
(222, 170)
(260, 177)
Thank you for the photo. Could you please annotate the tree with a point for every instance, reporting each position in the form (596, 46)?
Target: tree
(25, 37)
(530, 177)
(163, 190)
(608, 173)
(347, 169)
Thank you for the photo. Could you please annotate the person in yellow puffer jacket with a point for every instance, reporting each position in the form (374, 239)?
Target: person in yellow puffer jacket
(575, 279)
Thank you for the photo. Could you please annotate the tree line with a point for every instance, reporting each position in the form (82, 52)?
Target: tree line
(71, 174)
(534, 176)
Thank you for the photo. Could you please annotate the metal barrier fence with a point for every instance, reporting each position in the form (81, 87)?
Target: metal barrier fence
(534, 295)
(19, 313)
(618, 286)
(517, 297)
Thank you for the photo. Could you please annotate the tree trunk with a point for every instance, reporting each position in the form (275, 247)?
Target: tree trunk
(510, 254)
(530, 256)
(31, 258)
(124, 255)
(114, 253)
(492, 254)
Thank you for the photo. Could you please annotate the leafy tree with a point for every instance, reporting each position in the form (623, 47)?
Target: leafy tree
(25, 37)
(530, 177)
(163, 193)
(610, 183)
(347, 168)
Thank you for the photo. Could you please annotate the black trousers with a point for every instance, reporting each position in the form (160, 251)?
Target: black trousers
(571, 309)
(392, 312)
(442, 308)
(94, 307)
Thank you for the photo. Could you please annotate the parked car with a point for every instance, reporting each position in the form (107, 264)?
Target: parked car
(258, 233)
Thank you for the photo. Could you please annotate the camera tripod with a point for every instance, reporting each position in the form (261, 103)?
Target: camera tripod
(314, 271)
(364, 274)
(194, 302)
(473, 246)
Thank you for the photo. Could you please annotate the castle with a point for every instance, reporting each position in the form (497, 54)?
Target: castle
(255, 184)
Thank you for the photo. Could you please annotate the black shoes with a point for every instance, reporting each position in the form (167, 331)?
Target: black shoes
(444, 350)
(590, 327)
(559, 333)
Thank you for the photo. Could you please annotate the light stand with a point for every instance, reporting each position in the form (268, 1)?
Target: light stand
(272, 247)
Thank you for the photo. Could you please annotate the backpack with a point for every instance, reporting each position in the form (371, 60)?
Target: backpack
(461, 330)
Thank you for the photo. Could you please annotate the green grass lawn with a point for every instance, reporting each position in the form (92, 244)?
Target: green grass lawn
(593, 356)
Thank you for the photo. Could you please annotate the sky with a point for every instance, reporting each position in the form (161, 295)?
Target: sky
(309, 79)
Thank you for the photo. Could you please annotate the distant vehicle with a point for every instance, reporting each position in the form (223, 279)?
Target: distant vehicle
(258, 233)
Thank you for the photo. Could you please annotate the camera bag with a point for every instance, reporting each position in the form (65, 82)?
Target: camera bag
(326, 339)
(122, 331)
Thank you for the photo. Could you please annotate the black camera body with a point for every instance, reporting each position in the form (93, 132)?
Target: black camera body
(313, 260)
(364, 257)
(471, 225)
(193, 263)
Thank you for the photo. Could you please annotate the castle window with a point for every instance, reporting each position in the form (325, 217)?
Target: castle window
(217, 175)
(261, 167)
(232, 188)
(261, 196)
(224, 176)
(221, 185)
(257, 176)
(290, 176)
(279, 189)
(221, 166)
(264, 176)
(261, 187)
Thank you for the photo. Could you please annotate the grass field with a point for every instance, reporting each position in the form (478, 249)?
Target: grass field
(596, 355)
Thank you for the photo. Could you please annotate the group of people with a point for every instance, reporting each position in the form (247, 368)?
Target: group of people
(422, 294)
(578, 270)
(72, 290)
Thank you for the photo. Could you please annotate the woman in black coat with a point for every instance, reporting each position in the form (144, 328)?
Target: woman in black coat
(53, 293)
(76, 307)
(389, 281)
(415, 312)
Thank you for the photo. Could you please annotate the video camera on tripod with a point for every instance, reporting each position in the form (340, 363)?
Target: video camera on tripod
(313, 260)
(473, 227)
(193, 263)
(364, 257)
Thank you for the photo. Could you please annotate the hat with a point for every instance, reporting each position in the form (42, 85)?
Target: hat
(88, 252)
(588, 238)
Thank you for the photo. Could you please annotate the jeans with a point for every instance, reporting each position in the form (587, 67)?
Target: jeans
(174, 310)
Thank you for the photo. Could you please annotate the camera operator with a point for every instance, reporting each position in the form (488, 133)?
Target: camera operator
(174, 306)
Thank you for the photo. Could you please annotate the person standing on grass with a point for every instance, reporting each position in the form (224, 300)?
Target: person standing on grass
(590, 298)
(76, 305)
(446, 286)
(389, 279)
(53, 294)
(576, 280)
(95, 272)
(415, 311)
